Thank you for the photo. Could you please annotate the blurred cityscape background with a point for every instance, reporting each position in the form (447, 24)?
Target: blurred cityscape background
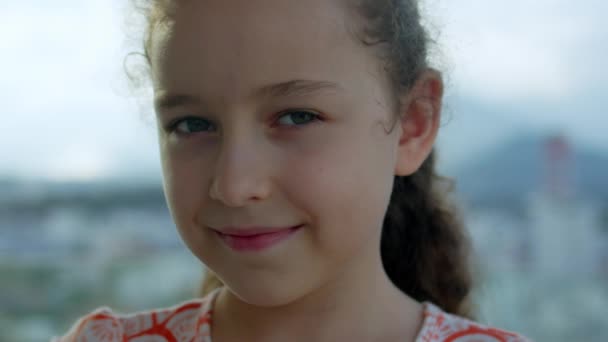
(83, 221)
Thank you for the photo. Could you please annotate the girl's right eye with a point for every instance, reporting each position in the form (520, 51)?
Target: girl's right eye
(191, 125)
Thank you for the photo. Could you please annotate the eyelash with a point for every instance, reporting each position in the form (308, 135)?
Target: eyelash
(172, 127)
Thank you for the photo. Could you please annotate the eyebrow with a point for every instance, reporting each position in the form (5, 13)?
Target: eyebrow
(296, 88)
(167, 101)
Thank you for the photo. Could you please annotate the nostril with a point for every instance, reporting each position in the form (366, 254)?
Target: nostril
(234, 193)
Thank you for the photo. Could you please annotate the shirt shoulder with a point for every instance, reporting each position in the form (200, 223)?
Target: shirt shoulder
(188, 321)
(439, 326)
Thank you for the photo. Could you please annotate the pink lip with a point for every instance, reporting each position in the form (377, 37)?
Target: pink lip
(255, 239)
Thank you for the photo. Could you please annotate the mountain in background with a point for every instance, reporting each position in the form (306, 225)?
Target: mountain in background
(504, 176)
(36, 198)
(528, 164)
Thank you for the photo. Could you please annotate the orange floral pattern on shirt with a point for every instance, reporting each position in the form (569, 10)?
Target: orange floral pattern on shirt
(191, 322)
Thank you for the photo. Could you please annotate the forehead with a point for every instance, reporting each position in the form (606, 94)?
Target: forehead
(221, 47)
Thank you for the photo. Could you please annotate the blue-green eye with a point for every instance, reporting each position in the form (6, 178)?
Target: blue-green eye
(192, 125)
(297, 118)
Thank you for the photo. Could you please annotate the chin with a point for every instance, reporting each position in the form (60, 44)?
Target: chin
(263, 294)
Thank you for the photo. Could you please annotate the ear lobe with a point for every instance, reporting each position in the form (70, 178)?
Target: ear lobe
(421, 115)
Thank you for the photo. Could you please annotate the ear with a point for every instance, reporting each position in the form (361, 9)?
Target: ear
(419, 123)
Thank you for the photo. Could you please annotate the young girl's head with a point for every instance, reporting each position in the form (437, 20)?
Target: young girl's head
(316, 115)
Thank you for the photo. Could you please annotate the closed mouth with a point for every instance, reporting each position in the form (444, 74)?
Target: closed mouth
(256, 240)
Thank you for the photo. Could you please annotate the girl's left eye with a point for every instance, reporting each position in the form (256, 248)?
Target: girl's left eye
(297, 118)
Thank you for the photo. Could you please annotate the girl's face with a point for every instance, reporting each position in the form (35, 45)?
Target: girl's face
(271, 114)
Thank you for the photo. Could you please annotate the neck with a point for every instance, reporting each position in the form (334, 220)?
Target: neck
(360, 303)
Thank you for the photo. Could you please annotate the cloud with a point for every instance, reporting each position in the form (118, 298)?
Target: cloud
(63, 89)
(543, 50)
(534, 65)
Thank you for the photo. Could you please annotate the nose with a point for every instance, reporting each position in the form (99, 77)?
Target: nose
(240, 177)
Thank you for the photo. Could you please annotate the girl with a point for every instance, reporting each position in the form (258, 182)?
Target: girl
(296, 140)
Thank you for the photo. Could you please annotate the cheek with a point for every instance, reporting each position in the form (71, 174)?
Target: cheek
(186, 192)
(345, 188)
(184, 183)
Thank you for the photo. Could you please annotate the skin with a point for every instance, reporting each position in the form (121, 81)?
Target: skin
(254, 165)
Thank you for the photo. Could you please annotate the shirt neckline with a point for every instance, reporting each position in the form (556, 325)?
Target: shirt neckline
(428, 309)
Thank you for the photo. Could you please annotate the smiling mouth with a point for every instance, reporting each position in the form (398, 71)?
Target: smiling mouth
(256, 240)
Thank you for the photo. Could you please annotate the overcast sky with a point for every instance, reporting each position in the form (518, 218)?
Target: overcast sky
(511, 67)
